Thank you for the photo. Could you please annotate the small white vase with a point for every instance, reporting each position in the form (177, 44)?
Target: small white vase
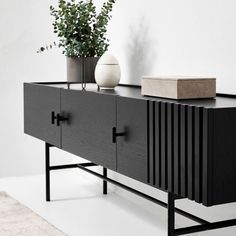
(107, 72)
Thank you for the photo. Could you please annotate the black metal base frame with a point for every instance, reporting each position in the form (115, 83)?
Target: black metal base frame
(204, 225)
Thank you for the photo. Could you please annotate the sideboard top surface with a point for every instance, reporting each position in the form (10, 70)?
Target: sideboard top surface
(129, 91)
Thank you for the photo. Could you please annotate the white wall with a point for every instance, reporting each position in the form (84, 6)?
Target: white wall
(176, 37)
(24, 26)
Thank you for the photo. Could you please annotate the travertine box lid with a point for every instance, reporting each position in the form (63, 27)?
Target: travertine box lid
(179, 87)
(178, 78)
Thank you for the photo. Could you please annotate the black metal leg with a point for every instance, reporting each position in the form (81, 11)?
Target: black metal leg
(204, 224)
(104, 181)
(171, 214)
(47, 168)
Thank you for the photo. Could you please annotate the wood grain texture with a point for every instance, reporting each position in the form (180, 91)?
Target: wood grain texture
(222, 162)
(89, 131)
(39, 102)
(186, 148)
(132, 149)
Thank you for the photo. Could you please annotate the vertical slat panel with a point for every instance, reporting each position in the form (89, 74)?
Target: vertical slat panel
(201, 156)
(154, 141)
(148, 142)
(206, 129)
(151, 137)
(176, 150)
(183, 146)
(198, 154)
(158, 144)
(190, 148)
(170, 146)
(163, 146)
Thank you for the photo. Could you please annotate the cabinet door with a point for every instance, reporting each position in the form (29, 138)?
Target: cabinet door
(39, 103)
(132, 148)
(89, 131)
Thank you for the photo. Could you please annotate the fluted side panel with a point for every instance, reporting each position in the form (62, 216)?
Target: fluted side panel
(178, 152)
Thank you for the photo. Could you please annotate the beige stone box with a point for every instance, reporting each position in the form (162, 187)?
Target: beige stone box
(179, 87)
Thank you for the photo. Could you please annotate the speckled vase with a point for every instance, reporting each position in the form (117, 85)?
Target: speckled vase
(107, 72)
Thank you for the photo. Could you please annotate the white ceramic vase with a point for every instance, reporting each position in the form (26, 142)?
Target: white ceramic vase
(107, 72)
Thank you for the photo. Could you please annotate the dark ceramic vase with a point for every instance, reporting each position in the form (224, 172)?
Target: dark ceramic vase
(81, 67)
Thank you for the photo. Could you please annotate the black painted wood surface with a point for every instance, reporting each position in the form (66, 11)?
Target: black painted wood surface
(132, 149)
(128, 91)
(88, 133)
(221, 156)
(39, 102)
(178, 150)
(185, 147)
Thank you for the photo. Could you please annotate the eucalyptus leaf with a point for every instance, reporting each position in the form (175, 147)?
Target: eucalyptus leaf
(81, 31)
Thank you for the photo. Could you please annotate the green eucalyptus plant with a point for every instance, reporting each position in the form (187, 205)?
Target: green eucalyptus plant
(81, 31)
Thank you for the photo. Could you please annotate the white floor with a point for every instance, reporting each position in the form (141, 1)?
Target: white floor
(79, 208)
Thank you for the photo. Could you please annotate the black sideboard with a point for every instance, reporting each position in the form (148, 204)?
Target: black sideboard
(186, 148)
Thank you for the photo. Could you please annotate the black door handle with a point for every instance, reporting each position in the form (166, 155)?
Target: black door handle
(61, 118)
(57, 118)
(53, 117)
(115, 134)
